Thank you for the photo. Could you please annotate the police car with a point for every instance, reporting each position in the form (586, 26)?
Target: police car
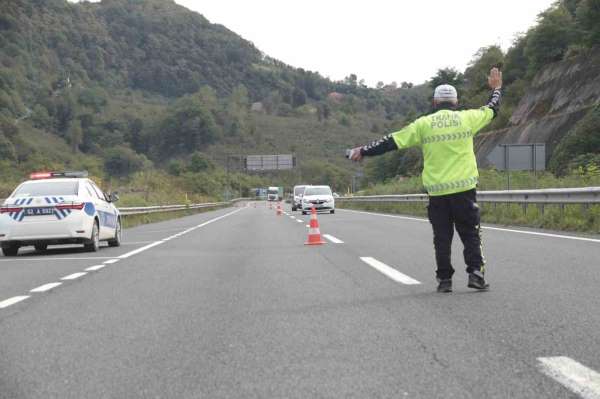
(55, 208)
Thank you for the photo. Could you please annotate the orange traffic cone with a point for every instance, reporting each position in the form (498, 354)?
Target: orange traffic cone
(314, 234)
(279, 211)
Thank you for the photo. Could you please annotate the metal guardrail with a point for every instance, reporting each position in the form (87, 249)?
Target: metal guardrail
(144, 210)
(552, 196)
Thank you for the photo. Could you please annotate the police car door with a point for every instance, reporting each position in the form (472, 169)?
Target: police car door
(108, 219)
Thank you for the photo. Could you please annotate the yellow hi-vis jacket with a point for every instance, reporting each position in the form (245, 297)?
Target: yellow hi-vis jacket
(446, 139)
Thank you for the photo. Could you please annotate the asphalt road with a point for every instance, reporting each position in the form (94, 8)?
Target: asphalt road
(231, 304)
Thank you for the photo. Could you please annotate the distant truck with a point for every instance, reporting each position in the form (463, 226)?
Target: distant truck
(260, 193)
(275, 194)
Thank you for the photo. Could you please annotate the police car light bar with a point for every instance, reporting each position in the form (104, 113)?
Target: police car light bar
(49, 175)
(40, 175)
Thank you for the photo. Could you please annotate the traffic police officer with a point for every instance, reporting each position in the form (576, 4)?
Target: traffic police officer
(450, 174)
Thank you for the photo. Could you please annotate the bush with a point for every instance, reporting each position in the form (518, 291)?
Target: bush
(200, 163)
(122, 161)
(582, 139)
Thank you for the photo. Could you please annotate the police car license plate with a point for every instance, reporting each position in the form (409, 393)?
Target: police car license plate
(39, 211)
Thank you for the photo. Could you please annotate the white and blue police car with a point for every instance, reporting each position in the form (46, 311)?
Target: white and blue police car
(57, 208)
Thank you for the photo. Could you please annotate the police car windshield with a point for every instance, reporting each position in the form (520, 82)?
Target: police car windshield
(32, 189)
(317, 191)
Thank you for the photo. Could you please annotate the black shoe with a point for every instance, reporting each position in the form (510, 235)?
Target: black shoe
(477, 281)
(445, 285)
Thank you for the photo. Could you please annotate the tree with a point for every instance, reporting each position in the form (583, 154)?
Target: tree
(448, 76)
(121, 161)
(588, 18)
(515, 62)
(187, 128)
(75, 135)
(475, 88)
(351, 80)
(200, 163)
(298, 97)
(549, 40)
(581, 140)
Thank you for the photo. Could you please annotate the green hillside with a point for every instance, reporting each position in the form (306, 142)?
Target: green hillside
(124, 86)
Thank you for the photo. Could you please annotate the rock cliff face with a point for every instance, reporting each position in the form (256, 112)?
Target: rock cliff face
(559, 96)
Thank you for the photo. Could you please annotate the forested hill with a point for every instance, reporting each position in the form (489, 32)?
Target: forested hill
(125, 85)
(153, 45)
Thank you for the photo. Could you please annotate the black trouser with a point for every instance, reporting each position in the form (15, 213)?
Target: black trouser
(461, 211)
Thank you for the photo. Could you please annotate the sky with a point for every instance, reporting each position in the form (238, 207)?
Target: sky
(378, 40)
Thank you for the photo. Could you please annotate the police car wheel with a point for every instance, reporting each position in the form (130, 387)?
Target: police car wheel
(116, 242)
(332, 211)
(41, 247)
(10, 250)
(294, 209)
(94, 242)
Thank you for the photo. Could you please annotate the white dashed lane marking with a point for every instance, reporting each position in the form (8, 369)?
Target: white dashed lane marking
(389, 271)
(94, 268)
(333, 239)
(74, 276)
(11, 301)
(576, 377)
(45, 287)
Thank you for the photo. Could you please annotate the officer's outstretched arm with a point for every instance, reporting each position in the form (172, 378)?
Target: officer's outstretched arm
(495, 83)
(377, 147)
(407, 137)
(494, 101)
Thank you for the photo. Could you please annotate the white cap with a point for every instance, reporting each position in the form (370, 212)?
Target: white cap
(445, 93)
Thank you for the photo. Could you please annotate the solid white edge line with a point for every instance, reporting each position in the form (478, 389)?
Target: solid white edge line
(142, 249)
(111, 261)
(333, 239)
(389, 271)
(11, 301)
(528, 232)
(74, 276)
(146, 247)
(46, 259)
(94, 268)
(45, 287)
(583, 381)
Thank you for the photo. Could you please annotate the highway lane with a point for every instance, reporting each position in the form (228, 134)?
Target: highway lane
(31, 269)
(241, 308)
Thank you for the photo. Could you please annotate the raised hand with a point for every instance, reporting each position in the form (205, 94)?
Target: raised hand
(495, 79)
(355, 154)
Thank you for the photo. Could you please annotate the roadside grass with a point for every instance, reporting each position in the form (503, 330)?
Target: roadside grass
(570, 218)
(490, 179)
(573, 217)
